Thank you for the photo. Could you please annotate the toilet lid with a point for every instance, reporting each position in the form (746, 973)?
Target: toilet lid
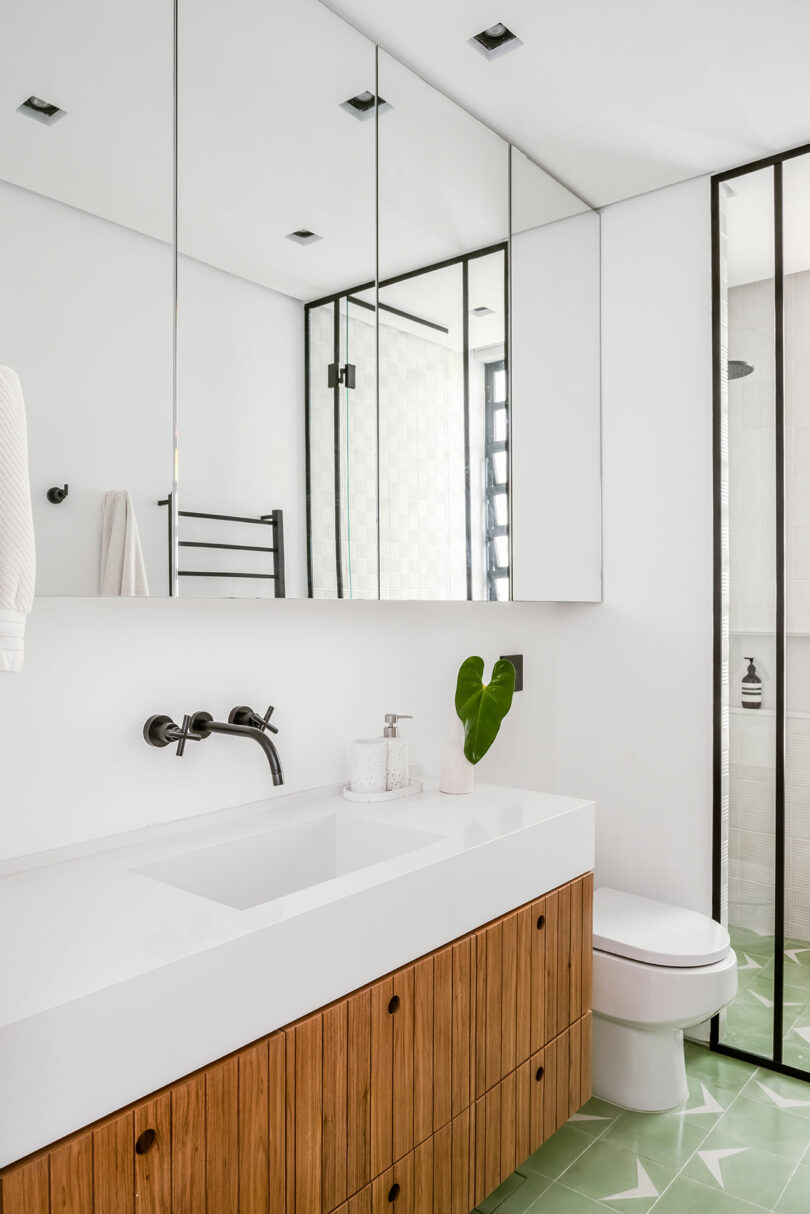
(646, 930)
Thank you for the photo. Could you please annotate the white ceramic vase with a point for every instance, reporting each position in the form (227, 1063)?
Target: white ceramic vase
(457, 772)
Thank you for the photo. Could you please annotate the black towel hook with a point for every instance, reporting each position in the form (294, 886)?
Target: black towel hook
(56, 495)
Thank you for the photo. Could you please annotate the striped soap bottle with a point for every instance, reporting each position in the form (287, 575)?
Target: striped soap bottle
(751, 687)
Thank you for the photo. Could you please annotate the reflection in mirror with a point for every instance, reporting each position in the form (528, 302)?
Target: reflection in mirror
(444, 224)
(276, 209)
(421, 472)
(86, 212)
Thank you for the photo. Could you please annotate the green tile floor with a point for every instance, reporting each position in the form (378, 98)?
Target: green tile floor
(740, 1143)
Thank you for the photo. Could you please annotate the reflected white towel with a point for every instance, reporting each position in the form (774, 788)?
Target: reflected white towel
(17, 555)
(122, 569)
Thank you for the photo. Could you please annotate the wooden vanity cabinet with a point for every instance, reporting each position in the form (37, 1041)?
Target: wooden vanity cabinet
(419, 1093)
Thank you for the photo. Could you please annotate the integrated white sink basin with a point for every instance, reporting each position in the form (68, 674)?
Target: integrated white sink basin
(273, 863)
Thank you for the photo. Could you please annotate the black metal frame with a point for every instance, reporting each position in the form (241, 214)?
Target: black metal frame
(275, 521)
(775, 163)
(462, 259)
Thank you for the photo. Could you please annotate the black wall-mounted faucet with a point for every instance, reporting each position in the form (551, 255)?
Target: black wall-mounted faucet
(242, 722)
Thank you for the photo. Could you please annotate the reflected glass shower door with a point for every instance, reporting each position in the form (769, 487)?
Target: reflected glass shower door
(342, 458)
(762, 604)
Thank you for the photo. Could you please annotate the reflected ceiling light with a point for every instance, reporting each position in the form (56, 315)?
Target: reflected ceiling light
(495, 40)
(303, 236)
(363, 104)
(482, 311)
(43, 111)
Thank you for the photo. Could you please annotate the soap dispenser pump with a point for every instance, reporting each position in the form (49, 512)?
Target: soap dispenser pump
(398, 768)
(751, 688)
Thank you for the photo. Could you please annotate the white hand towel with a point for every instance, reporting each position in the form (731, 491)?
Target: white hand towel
(17, 555)
(122, 567)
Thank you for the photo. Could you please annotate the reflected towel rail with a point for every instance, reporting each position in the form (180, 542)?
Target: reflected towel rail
(274, 520)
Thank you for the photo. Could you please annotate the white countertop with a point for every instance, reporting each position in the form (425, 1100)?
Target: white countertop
(114, 983)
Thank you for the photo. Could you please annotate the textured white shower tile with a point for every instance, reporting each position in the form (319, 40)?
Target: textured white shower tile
(797, 555)
(798, 605)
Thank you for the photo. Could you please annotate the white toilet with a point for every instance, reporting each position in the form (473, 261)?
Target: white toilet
(657, 969)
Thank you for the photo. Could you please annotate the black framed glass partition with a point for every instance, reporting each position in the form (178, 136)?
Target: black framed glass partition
(761, 323)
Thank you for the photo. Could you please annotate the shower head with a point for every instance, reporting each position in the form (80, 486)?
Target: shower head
(737, 369)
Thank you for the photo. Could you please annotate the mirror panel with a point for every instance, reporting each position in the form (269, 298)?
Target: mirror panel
(86, 297)
(276, 209)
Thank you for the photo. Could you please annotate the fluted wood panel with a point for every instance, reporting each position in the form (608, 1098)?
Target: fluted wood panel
(531, 979)
(244, 1177)
(114, 1166)
(517, 1116)
(71, 1179)
(26, 1188)
(222, 1136)
(153, 1156)
(188, 1147)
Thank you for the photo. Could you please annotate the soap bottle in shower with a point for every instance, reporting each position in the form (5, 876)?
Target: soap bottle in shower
(751, 687)
(398, 765)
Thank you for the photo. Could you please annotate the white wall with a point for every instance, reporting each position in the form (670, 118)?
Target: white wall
(556, 490)
(75, 766)
(634, 674)
(618, 695)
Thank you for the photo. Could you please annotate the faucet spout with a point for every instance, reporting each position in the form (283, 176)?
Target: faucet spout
(204, 724)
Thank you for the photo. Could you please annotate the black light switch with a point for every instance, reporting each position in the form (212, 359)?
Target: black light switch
(517, 661)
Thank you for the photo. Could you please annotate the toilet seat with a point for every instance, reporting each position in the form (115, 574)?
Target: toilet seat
(656, 933)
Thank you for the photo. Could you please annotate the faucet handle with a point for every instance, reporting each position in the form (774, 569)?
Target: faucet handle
(243, 715)
(162, 731)
(185, 734)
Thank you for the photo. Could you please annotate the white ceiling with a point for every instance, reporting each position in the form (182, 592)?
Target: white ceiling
(616, 97)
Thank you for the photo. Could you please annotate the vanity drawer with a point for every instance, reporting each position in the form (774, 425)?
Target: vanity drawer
(435, 1178)
(516, 1116)
(375, 1075)
(532, 978)
(214, 1141)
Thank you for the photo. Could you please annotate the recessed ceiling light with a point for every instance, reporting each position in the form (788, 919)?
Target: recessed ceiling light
(495, 40)
(43, 111)
(482, 311)
(303, 236)
(363, 104)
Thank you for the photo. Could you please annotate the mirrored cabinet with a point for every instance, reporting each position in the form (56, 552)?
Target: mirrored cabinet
(335, 336)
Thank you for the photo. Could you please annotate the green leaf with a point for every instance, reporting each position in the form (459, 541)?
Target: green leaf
(482, 706)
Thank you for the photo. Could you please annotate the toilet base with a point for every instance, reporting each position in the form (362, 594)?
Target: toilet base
(641, 1069)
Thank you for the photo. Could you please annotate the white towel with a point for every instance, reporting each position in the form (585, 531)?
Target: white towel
(17, 555)
(122, 568)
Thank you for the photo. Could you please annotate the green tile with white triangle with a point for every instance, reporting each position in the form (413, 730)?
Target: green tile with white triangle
(717, 1070)
(747, 1172)
(609, 1174)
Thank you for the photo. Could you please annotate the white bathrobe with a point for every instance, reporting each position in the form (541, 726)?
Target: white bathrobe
(17, 554)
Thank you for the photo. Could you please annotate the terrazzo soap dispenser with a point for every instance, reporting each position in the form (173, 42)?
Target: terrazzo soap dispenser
(751, 687)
